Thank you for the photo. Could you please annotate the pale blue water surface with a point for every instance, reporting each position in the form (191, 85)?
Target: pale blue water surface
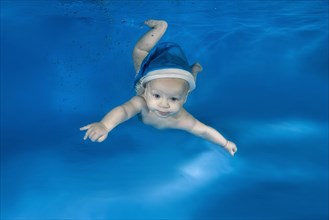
(65, 63)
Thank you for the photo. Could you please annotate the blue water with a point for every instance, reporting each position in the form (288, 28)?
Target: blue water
(66, 63)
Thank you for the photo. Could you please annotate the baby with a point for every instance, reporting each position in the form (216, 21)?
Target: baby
(163, 81)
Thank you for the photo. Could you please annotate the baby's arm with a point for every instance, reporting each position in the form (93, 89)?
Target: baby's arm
(199, 129)
(98, 131)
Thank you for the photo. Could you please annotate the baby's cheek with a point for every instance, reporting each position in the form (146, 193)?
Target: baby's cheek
(176, 107)
(150, 104)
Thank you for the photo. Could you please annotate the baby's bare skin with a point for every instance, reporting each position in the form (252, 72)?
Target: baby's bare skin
(161, 104)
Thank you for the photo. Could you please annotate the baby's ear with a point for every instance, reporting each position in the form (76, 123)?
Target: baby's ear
(144, 91)
(145, 88)
(188, 92)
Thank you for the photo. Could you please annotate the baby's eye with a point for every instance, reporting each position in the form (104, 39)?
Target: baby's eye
(174, 99)
(156, 96)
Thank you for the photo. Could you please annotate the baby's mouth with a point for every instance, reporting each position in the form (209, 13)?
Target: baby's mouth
(163, 113)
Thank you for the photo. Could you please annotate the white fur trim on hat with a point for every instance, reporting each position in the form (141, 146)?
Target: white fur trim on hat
(169, 73)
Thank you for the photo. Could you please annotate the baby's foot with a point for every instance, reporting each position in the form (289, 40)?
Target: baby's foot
(196, 68)
(156, 23)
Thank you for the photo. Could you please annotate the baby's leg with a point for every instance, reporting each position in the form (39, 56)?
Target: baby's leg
(148, 41)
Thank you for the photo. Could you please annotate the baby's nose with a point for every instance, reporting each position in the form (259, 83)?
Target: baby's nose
(164, 103)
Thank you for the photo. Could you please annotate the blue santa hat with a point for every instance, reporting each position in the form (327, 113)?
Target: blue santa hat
(166, 60)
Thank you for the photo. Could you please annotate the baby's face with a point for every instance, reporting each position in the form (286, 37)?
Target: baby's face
(165, 97)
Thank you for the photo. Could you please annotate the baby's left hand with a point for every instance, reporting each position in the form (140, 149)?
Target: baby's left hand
(231, 147)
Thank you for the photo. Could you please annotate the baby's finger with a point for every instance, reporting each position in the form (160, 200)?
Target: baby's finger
(102, 138)
(94, 136)
(88, 133)
(234, 150)
(85, 127)
(86, 136)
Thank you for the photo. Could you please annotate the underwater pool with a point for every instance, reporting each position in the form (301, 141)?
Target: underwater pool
(65, 63)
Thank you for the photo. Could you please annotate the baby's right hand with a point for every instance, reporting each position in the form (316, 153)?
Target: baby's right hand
(95, 132)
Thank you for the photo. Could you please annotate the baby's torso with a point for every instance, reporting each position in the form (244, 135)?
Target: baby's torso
(181, 120)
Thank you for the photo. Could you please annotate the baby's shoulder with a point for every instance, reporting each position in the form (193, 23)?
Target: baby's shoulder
(186, 121)
(138, 101)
